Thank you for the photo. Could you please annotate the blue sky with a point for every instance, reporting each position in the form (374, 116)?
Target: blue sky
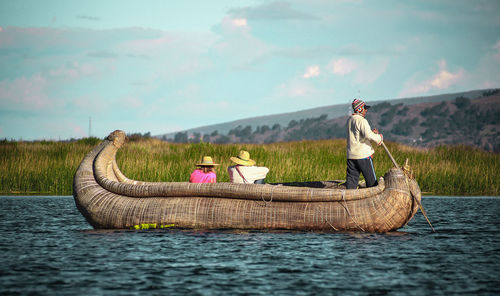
(165, 66)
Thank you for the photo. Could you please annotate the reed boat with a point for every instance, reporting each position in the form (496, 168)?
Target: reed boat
(110, 200)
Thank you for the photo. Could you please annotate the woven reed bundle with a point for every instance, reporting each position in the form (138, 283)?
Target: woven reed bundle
(108, 199)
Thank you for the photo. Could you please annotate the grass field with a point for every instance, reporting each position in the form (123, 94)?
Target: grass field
(47, 168)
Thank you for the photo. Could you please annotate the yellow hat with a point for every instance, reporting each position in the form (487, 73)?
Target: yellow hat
(206, 161)
(243, 159)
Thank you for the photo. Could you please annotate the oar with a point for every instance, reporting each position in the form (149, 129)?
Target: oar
(418, 202)
(423, 211)
(390, 155)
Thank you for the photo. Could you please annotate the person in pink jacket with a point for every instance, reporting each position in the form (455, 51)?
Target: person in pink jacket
(359, 149)
(205, 171)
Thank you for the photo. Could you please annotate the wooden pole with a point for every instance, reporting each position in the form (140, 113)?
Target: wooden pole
(423, 212)
(390, 155)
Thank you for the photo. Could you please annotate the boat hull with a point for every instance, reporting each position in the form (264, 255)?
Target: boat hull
(109, 200)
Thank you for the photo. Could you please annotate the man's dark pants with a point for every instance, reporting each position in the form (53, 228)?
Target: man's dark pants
(363, 166)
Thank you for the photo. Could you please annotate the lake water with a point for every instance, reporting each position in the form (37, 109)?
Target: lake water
(47, 248)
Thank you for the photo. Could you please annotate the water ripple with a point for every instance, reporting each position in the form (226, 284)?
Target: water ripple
(48, 248)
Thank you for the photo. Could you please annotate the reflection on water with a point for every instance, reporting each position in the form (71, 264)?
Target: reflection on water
(48, 248)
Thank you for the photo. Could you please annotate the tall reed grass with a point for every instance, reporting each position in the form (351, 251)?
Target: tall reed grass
(48, 167)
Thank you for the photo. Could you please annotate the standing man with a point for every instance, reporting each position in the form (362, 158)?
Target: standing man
(359, 149)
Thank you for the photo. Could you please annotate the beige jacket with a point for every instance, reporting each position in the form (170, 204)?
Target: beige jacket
(359, 135)
(251, 173)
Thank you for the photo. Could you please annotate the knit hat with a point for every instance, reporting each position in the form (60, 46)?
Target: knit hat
(358, 104)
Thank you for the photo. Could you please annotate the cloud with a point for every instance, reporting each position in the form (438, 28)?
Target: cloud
(131, 102)
(234, 25)
(300, 89)
(298, 94)
(190, 91)
(147, 45)
(51, 91)
(90, 18)
(22, 93)
(59, 73)
(200, 109)
(489, 84)
(89, 104)
(40, 40)
(312, 71)
(444, 78)
(277, 10)
(240, 22)
(106, 44)
(166, 56)
(137, 56)
(342, 66)
(440, 81)
(237, 47)
(102, 54)
(497, 53)
(368, 73)
(63, 128)
(485, 74)
(78, 131)
(73, 70)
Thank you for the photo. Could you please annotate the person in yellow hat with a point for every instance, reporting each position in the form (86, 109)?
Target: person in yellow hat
(204, 172)
(245, 170)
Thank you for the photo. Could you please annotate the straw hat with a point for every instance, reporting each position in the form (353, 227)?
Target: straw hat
(243, 159)
(206, 161)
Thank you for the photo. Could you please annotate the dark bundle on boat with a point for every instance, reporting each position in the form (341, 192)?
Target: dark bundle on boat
(109, 200)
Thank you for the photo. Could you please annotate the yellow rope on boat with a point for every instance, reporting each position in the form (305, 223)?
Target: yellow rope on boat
(151, 226)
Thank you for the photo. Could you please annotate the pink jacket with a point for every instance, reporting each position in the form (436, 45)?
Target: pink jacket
(198, 176)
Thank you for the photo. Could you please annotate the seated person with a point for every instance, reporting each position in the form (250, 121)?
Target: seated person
(205, 171)
(245, 170)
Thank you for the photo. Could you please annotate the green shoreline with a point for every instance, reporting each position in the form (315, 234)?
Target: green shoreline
(47, 168)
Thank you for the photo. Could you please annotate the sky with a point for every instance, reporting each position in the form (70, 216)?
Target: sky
(70, 69)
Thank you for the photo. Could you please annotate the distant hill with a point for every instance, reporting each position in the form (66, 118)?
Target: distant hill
(332, 111)
(469, 118)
